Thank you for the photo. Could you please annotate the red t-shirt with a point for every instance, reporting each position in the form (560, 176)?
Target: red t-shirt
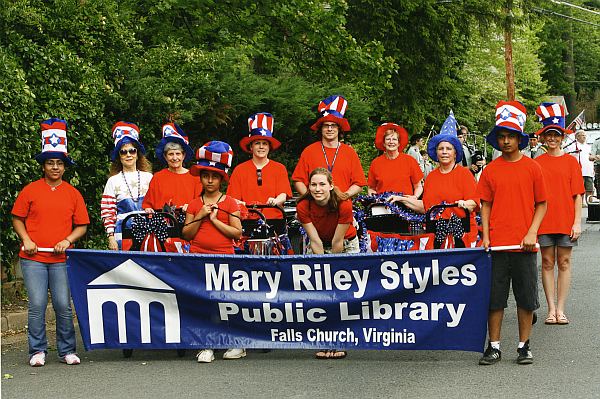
(324, 220)
(208, 239)
(243, 185)
(347, 169)
(459, 184)
(49, 216)
(564, 181)
(171, 188)
(513, 188)
(398, 175)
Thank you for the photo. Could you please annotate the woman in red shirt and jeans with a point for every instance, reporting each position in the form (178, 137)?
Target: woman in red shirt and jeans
(49, 213)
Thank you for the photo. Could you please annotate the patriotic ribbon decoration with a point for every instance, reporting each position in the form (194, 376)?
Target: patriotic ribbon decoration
(449, 227)
(142, 227)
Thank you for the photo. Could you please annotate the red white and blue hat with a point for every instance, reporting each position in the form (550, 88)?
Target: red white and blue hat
(380, 135)
(448, 133)
(552, 116)
(332, 109)
(123, 133)
(215, 156)
(511, 116)
(260, 126)
(54, 141)
(172, 133)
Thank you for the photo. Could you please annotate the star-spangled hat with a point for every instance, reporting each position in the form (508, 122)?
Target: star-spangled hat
(332, 109)
(260, 126)
(510, 115)
(215, 156)
(54, 141)
(171, 132)
(448, 133)
(123, 133)
(380, 135)
(552, 116)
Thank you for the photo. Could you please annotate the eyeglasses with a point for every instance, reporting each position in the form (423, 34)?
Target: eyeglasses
(131, 151)
(330, 125)
(259, 177)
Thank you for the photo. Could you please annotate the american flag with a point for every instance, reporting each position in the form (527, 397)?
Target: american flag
(578, 122)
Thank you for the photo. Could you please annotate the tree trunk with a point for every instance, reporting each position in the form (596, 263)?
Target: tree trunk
(508, 60)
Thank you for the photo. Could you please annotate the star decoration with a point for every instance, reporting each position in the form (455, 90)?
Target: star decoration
(505, 114)
(555, 120)
(54, 140)
(212, 163)
(325, 113)
(263, 132)
(521, 119)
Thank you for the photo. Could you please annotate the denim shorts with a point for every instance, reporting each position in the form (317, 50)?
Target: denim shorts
(521, 269)
(556, 240)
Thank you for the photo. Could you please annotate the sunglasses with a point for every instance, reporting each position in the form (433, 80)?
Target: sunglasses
(131, 151)
(259, 177)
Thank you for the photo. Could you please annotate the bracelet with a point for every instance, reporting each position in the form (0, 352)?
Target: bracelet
(110, 234)
(69, 241)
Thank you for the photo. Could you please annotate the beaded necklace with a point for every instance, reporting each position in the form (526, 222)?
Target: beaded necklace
(139, 186)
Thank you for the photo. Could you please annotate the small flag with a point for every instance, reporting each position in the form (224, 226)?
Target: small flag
(578, 122)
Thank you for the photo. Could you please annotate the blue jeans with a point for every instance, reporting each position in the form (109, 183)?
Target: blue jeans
(38, 277)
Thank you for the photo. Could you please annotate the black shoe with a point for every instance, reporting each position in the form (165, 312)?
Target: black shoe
(525, 356)
(490, 356)
(534, 320)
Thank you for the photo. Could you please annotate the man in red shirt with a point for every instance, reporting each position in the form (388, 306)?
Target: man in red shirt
(513, 204)
(339, 158)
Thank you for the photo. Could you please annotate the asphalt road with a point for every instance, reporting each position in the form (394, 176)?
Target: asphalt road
(567, 364)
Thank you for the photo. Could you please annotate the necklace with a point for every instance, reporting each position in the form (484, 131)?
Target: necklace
(129, 189)
(53, 188)
(330, 167)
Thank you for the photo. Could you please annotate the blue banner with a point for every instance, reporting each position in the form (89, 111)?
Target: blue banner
(432, 300)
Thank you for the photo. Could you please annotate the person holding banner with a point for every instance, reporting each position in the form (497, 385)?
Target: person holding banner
(513, 204)
(393, 170)
(260, 180)
(561, 227)
(49, 215)
(327, 219)
(212, 221)
(173, 186)
(130, 175)
(449, 183)
(329, 152)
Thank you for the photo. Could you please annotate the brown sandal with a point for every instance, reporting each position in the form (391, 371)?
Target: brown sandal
(551, 319)
(562, 319)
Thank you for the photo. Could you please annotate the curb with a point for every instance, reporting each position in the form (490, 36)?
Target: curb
(17, 321)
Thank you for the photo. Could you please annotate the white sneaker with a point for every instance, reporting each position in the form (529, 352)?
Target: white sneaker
(234, 354)
(71, 359)
(205, 356)
(38, 359)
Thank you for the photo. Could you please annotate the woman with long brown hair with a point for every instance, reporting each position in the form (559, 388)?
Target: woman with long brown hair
(130, 175)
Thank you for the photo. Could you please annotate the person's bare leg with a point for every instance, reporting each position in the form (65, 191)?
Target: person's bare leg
(564, 278)
(524, 317)
(548, 260)
(495, 323)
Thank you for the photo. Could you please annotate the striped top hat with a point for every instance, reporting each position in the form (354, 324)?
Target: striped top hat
(332, 109)
(380, 136)
(54, 141)
(172, 133)
(123, 133)
(511, 116)
(260, 126)
(448, 134)
(552, 116)
(215, 156)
